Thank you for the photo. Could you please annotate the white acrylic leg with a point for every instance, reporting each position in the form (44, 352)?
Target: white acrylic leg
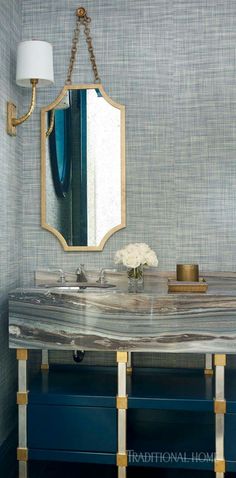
(220, 410)
(22, 401)
(122, 358)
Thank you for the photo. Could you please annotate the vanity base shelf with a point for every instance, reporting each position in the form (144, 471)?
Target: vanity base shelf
(64, 470)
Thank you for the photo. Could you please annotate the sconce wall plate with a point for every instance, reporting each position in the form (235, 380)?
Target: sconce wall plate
(11, 113)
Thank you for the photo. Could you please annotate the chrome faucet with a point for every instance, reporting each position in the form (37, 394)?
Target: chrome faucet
(81, 274)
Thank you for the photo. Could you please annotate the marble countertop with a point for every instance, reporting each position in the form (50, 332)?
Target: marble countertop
(113, 319)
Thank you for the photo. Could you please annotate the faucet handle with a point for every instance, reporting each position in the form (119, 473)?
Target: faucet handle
(102, 275)
(62, 277)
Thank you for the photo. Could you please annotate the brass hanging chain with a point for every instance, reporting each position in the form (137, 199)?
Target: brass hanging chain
(73, 51)
(82, 19)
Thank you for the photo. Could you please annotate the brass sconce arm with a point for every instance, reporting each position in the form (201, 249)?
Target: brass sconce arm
(12, 121)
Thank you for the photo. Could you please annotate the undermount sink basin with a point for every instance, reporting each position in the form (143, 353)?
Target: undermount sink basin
(65, 288)
(78, 286)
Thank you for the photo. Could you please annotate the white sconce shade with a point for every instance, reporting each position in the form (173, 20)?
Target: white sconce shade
(34, 61)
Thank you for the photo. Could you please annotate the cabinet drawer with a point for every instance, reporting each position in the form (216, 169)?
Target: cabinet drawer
(72, 428)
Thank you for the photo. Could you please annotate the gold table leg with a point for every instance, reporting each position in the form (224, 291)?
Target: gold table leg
(22, 401)
(122, 404)
(220, 410)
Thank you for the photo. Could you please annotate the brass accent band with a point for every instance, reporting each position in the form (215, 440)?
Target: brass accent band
(220, 406)
(122, 402)
(220, 360)
(22, 354)
(219, 466)
(122, 357)
(122, 459)
(129, 370)
(22, 398)
(208, 371)
(22, 454)
(45, 366)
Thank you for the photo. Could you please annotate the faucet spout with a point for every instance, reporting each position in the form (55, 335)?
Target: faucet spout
(81, 274)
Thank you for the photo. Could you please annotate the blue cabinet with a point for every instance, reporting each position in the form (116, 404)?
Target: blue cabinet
(72, 417)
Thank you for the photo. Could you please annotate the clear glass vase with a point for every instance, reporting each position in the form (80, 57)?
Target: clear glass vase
(135, 279)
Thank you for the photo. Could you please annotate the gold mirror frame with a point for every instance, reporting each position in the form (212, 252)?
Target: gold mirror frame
(44, 224)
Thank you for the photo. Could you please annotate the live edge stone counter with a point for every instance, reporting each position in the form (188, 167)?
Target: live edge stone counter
(113, 319)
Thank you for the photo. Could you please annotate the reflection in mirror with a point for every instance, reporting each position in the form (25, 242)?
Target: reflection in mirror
(83, 167)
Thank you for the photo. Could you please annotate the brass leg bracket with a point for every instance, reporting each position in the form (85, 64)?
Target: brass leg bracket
(220, 407)
(220, 360)
(209, 371)
(22, 354)
(22, 398)
(219, 466)
(122, 459)
(122, 357)
(122, 403)
(45, 367)
(22, 454)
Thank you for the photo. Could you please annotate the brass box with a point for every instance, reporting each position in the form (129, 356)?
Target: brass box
(187, 272)
(175, 286)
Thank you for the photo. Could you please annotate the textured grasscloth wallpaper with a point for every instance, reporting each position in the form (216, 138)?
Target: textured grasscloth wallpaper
(172, 63)
(11, 207)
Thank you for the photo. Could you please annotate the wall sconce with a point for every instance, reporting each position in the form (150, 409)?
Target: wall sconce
(34, 68)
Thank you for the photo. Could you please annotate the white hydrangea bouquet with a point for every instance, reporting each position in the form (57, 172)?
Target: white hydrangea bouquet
(135, 257)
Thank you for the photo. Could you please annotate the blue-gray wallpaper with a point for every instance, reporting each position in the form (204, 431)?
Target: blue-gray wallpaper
(172, 63)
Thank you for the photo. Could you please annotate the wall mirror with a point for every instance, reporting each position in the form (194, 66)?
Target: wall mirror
(83, 167)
